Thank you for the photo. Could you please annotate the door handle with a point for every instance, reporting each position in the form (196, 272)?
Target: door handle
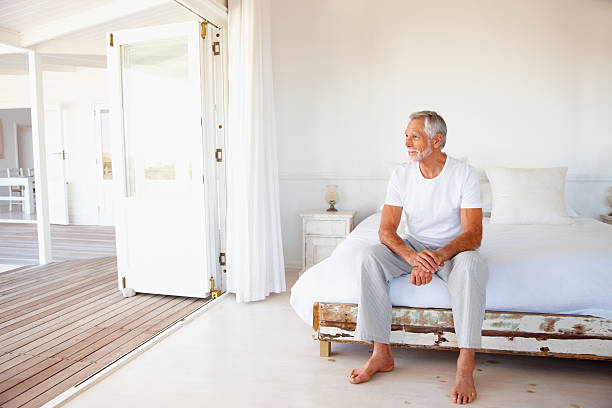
(62, 153)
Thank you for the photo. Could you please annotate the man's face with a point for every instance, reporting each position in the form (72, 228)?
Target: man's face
(417, 142)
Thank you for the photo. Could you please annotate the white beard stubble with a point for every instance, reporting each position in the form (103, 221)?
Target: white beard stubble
(421, 155)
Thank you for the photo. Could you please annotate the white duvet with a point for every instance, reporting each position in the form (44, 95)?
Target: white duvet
(564, 269)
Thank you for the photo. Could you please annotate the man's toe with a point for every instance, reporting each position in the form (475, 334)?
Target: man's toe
(362, 377)
(454, 396)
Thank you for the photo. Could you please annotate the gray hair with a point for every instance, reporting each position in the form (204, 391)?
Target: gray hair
(434, 124)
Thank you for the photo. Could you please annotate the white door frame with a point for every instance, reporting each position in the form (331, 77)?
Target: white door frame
(208, 169)
(58, 206)
(97, 108)
(40, 158)
(219, 76)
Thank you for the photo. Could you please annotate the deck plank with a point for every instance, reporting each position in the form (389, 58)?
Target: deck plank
(61, 323)
(19, 243)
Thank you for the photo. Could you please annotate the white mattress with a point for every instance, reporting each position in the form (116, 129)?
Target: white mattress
(564, 269)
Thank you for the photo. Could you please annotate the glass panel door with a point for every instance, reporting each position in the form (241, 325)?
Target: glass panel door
(159, 145)
(163, 225)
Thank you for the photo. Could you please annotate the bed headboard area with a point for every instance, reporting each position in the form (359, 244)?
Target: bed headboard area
(587, 195)
(534, 94)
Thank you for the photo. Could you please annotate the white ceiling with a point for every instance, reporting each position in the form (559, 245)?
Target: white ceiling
(72, 32)
(91, 40)
(19, 15)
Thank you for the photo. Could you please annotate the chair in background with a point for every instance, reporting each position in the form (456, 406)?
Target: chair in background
(30, 173)
(15, 191)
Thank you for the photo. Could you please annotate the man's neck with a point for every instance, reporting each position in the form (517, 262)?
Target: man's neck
(432, 165)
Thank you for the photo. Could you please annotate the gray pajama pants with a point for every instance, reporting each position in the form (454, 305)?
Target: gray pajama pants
(465, 275)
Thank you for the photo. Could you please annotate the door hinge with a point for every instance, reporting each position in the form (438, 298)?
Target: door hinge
(203, 25)
(213, 293)
(111, 40)
(216, 47)
(219, 155)
(222, 258)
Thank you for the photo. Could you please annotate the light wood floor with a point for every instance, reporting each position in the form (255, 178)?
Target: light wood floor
(261, 354)
(19, 242)
(16, 216)
(63, 322)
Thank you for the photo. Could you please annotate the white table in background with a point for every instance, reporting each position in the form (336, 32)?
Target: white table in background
(28, 197)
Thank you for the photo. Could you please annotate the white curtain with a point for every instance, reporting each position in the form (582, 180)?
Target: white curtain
(255, 263)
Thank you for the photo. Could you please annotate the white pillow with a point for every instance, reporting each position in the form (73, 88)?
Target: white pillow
(528, 196)
(485, 193)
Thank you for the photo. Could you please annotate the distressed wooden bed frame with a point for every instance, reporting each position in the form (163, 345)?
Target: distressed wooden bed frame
(533, 334)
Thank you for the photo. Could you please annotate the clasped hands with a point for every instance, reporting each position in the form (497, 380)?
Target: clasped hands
(424, 265)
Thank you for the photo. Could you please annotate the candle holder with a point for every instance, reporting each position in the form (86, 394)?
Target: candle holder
(331, 196)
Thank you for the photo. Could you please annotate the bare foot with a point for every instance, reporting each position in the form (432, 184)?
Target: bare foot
(464, 391)
(381, 361)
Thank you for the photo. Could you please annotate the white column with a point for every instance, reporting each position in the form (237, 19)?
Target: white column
(40, 159)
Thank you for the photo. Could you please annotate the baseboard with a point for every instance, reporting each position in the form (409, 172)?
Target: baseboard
(573, 178)
(293, 266)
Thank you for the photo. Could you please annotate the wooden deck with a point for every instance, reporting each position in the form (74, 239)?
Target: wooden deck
(19, 242)
(63, 322)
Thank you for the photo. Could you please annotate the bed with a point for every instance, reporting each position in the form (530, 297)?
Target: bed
(548, 294)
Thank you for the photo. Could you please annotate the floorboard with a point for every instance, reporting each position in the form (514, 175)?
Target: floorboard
(19, 243)
(61, 323)
(261, 354)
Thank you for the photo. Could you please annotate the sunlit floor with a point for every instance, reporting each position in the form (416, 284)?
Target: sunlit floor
(263, 355)
(8, 267)
(19, 242)
(15, 214)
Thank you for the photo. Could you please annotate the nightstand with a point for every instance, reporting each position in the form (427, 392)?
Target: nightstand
(606, 218)
(322, 231)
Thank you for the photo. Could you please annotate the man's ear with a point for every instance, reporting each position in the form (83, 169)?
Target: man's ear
(437, 141)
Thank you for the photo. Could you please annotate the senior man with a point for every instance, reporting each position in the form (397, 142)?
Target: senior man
(440, 197)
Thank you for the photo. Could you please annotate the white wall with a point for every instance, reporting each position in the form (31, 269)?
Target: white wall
(10, 118)
(520, 84)
(77, 92)
(25, 145)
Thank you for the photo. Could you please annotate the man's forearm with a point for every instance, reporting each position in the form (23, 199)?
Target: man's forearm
(396, 244)
(468, 241)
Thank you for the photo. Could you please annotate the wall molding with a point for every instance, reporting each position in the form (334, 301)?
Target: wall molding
(592, 179)
(329, 176)
(358, 177)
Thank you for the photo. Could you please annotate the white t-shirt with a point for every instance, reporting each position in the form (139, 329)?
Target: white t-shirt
(432, 206)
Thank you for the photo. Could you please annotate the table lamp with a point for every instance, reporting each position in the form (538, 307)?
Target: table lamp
(331, 196)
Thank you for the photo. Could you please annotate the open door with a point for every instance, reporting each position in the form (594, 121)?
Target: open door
(56, 169)
(163, 160)
(104, 166)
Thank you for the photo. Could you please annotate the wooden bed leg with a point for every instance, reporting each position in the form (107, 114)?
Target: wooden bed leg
(325, 348)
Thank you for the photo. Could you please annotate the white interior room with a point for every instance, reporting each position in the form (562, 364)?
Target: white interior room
(326, 88)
